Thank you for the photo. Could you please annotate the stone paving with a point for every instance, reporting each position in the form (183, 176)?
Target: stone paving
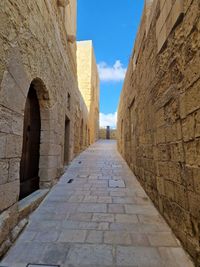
(103, 218)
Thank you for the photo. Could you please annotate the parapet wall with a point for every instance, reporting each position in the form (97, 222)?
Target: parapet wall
(159, 114)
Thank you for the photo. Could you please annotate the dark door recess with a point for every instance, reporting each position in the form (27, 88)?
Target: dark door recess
(29, 166)
(66, 141)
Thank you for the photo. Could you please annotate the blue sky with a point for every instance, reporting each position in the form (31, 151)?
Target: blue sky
(112, 26)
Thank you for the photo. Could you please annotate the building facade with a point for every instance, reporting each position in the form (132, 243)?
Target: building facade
(159, 114)
(88, 81)
(44, 120)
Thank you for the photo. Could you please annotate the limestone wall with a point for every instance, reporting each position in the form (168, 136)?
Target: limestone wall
(159, 111)
(37, 45)
(88, 81)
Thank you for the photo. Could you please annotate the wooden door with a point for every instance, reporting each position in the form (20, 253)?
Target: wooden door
(29, 166)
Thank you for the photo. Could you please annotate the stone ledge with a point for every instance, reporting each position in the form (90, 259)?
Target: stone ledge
(12, 237)
(30, 203)
(25, 207)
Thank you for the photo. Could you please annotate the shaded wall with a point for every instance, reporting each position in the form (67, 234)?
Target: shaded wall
(159, 114)
(36, 45)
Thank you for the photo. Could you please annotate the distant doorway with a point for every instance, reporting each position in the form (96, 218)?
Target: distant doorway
(29, 165)
(66, 141)
(108, 132)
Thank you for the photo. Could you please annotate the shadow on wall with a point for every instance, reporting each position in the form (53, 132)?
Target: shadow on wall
(108, 133)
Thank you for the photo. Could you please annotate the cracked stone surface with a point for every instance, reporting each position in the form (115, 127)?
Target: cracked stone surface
(88, 223)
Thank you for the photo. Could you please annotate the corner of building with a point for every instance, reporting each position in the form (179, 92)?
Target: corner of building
(88, 82)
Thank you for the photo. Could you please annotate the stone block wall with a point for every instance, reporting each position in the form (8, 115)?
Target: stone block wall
(37, 46)
(88, 80)
(158, 116)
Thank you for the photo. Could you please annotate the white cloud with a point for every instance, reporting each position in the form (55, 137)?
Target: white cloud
(113, 73)
(108, 120)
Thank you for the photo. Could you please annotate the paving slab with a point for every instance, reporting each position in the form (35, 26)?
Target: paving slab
(116, 183)
(138, 256)
(102, 219)
(91, 254)
(120, 238)
(94, 237)
(72, 236)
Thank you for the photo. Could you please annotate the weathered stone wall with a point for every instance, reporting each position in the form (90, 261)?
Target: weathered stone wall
(37, 45)
(88, 80)
(159, 114)
(102, 133)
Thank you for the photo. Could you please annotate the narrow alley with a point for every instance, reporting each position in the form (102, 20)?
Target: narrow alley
(97, 215)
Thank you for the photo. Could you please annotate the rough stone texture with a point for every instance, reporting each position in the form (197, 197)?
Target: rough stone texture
(58, 233)
(38, 46)
(158, 116)
(8, 233)
(88, 81)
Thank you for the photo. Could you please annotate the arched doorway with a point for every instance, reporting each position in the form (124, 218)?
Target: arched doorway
(29, 165)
